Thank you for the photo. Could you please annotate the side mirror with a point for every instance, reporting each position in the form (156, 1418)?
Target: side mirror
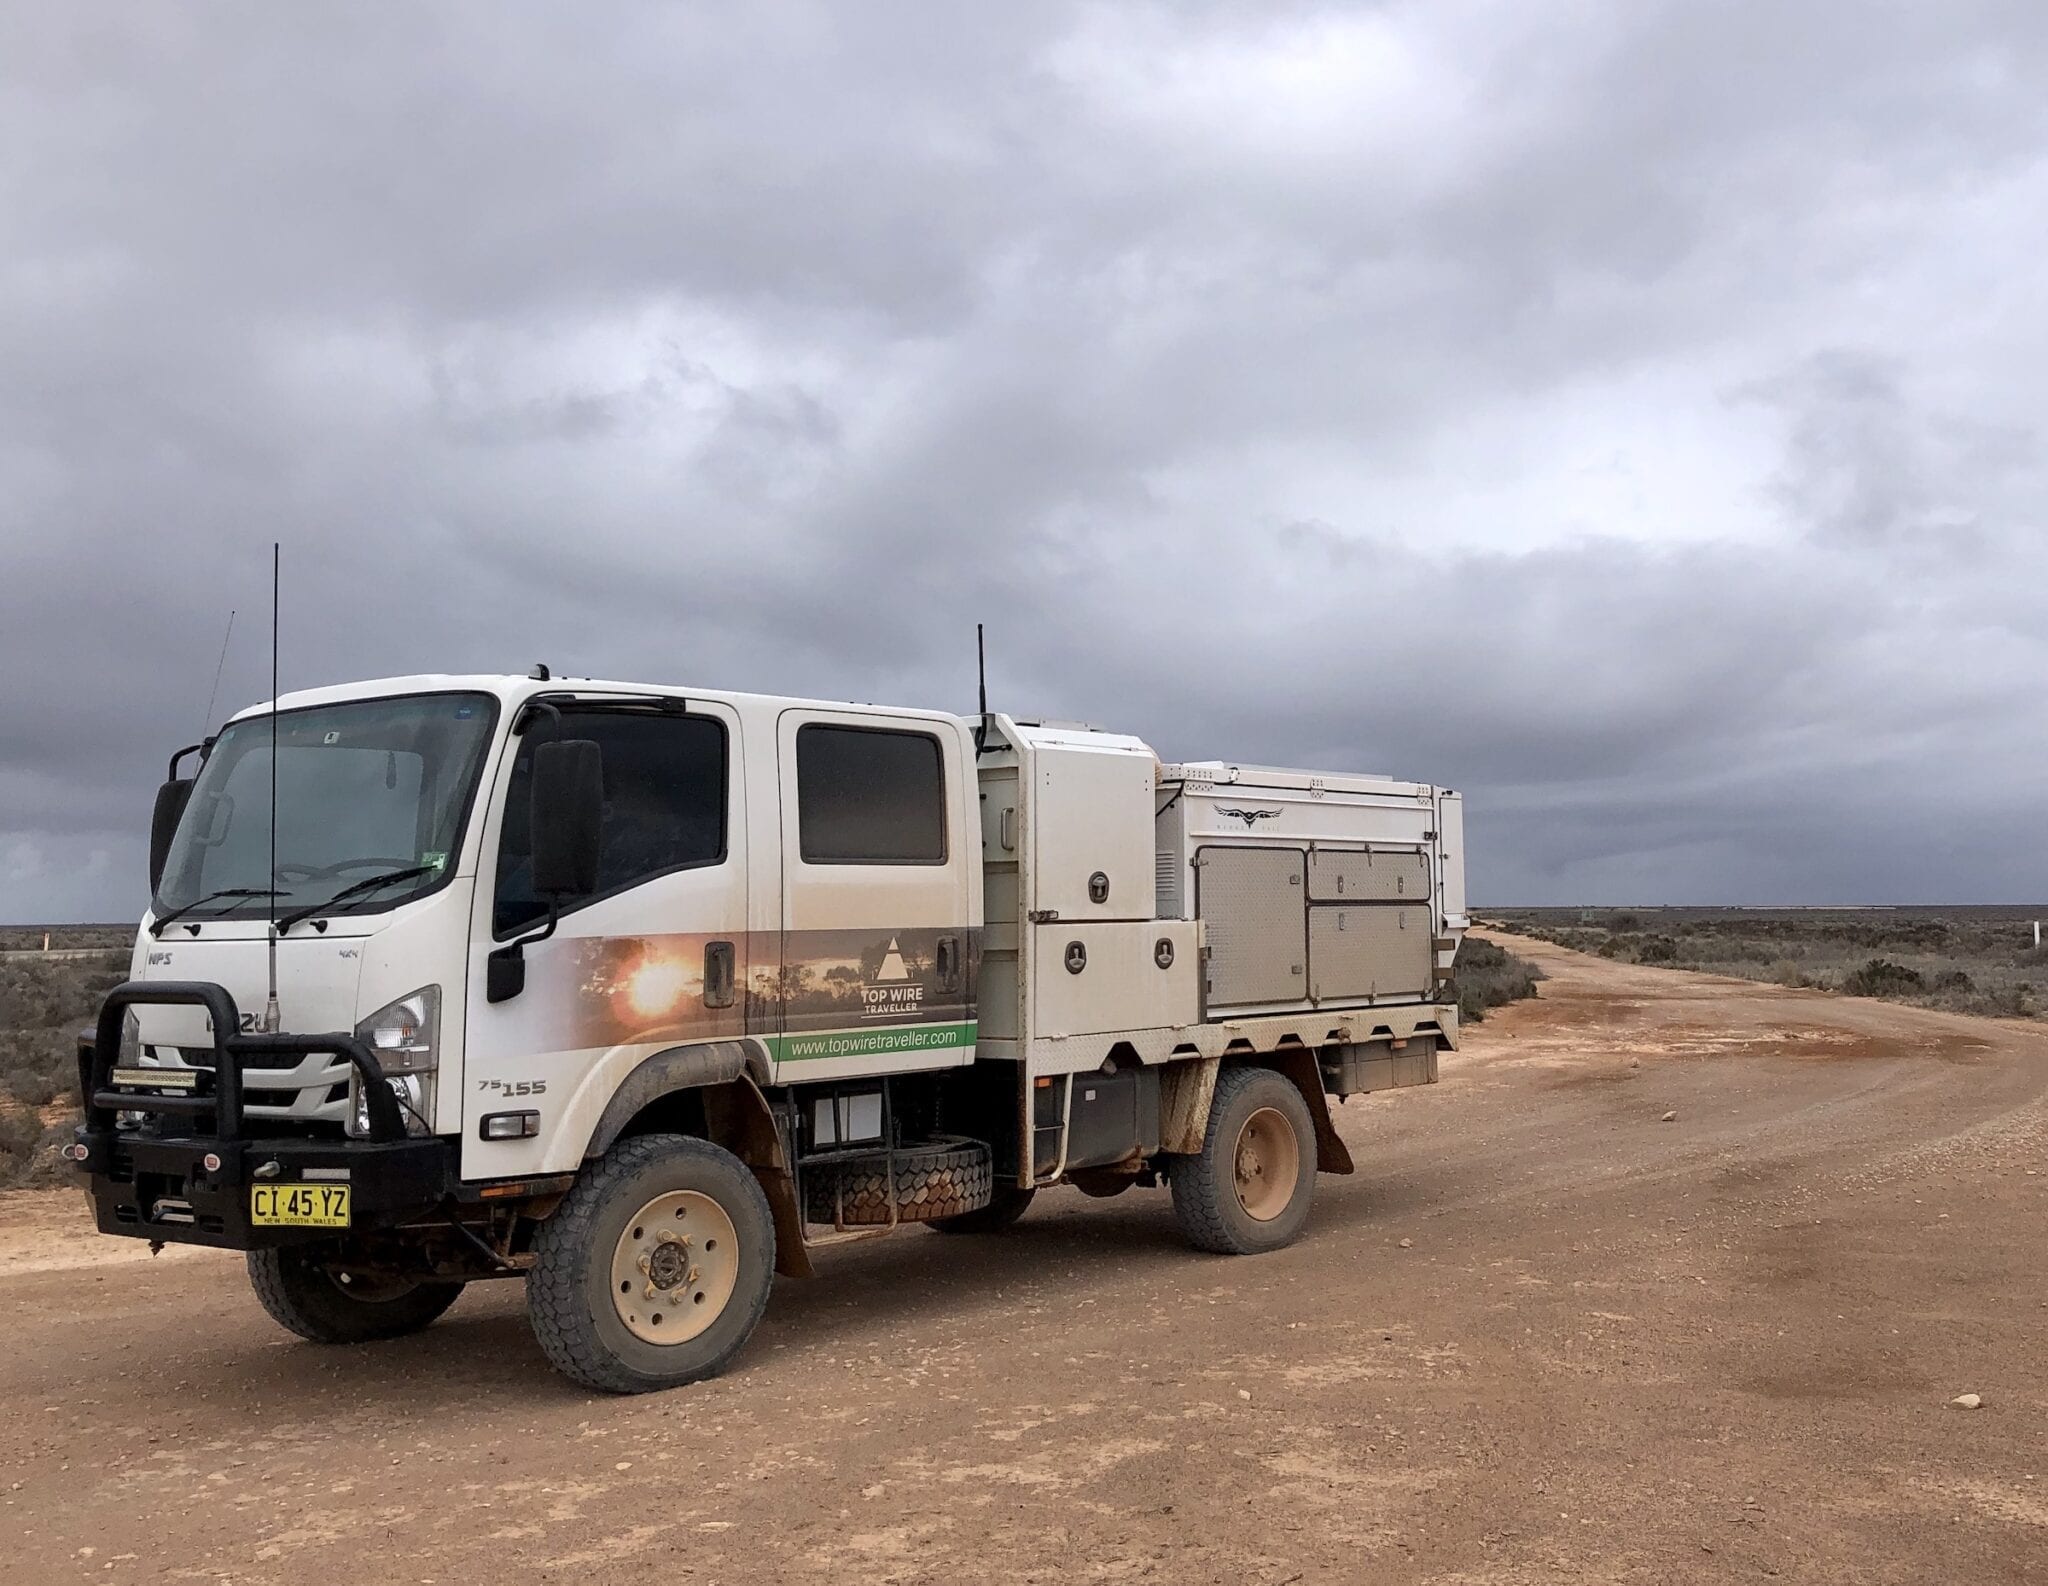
(171, 800)
(568, 816)
(566, 810)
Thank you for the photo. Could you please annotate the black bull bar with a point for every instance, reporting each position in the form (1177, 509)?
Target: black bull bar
(232, 1051)
(189, 1179)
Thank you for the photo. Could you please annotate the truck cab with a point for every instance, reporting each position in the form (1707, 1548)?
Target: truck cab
(644, 993)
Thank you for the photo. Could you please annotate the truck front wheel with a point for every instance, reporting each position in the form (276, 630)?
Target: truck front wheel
(655, 1268)
(328, 1306)
(1247, 1190)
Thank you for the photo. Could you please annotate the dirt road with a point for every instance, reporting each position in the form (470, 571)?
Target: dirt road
(1542, 1335)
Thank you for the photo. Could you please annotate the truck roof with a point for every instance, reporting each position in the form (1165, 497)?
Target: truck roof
(513, 688)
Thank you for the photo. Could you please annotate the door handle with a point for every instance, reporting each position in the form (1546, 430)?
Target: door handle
(946, 962)
(719, 975)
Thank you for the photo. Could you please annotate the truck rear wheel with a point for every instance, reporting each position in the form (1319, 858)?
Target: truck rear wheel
(655, 1268)
(1248, 1189)
(325, 1306)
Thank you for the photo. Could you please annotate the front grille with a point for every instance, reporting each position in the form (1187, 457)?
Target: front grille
(313, 1090)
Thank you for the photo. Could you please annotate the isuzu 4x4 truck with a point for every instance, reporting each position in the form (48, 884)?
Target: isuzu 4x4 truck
(645, 994)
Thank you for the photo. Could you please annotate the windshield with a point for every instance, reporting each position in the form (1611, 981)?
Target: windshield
(367, 788)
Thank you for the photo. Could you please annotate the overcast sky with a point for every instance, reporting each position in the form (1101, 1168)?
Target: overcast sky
(1626, 412)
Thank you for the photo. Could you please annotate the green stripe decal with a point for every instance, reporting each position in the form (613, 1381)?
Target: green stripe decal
(891, 1040)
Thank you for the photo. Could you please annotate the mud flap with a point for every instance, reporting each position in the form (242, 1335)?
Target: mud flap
(739, 1119)
(792, 1258)
(1185, 1091)
(1298, 1063)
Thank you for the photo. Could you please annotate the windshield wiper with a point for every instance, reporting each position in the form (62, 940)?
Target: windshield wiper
(354, 889)
(157, 925)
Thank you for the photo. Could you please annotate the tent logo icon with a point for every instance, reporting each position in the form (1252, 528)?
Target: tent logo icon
(891, 993)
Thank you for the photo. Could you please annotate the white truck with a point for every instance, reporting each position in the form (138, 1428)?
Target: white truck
(645, 994)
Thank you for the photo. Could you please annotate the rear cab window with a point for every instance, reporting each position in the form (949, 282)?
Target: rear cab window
(869, 796)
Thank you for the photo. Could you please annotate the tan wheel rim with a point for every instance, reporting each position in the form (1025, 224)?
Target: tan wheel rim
(1268, 1164)
(676, 1264)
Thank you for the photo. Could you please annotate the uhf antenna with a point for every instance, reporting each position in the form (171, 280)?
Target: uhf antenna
(981, 679)
(272, 1021)
(206, 726)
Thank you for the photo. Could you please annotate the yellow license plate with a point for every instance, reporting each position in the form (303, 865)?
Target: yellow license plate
(299, 1205)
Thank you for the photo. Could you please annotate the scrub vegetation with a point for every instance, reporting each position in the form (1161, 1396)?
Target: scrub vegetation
(1978, 960)
(44, 1002)
(1486, 976)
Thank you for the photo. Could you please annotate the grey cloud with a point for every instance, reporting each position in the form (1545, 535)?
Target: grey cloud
(1222, 362)
(1866, 466)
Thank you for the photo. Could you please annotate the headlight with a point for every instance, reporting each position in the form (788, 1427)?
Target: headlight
(405, 1033)
(405, 1036)
(415, 1093)
(132, 1054)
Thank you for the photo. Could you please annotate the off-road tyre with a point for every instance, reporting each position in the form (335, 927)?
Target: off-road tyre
(1006, 1203)
(1207, 1194)
(946, 1177)
(580, 1324)
(303, 1295)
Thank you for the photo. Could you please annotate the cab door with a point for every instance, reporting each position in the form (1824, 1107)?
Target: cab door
(657, 955)
(876, 972)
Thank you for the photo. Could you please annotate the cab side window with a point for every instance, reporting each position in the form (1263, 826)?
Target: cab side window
(867, 796)
(664, 806)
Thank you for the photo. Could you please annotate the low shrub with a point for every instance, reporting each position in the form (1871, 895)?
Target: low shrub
(1979, 961)
(1487, 976)
(38, 992)
(2014, 1000)
(1883, 978)
(21, 1131)
(44, 1002)
(39, 1065)
(43, 1168)
(35, 1090)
